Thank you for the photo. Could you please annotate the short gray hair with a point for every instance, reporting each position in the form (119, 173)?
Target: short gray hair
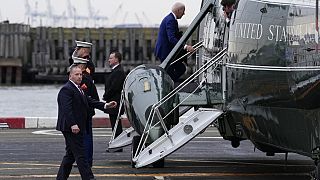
(72, 67)
(177, 6)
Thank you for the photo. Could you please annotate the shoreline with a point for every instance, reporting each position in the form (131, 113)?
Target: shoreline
(50, 122)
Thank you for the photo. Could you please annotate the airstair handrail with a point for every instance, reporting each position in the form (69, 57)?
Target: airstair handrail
(196, 46)
(206, 66)
(203, 68)
(118, 116)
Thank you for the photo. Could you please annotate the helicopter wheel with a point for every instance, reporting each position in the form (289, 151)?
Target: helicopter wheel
(159, 163)
(235, 143)
(134, 148)
(316, 172)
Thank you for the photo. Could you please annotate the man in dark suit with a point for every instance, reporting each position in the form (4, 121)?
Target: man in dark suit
(113, 87)
(73, 107)
(168, 37)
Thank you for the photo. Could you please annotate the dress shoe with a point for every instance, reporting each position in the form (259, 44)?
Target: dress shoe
(119, 150)
(113, 151)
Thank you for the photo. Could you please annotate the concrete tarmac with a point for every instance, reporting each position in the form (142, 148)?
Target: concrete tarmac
(36, 154)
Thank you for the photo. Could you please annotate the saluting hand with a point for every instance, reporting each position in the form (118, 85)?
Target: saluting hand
(75, 129)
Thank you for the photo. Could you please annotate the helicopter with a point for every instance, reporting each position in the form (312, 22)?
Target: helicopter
(257, 79)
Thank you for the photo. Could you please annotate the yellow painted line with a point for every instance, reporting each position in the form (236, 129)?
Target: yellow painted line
(25, 168)
(29, 164)
(165, 175)
(33, 176)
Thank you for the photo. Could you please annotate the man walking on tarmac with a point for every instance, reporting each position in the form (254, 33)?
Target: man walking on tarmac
(73, 107)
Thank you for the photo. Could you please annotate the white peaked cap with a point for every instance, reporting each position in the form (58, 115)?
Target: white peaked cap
(77, 60)
(83, 44)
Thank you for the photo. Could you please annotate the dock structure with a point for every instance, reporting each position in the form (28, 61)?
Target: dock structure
(14, 44)
(42, 53)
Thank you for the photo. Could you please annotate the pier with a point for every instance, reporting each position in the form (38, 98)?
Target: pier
(41, 54)
(14, 44)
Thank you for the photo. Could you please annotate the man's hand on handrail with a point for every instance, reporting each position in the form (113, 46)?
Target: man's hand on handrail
(189, 48)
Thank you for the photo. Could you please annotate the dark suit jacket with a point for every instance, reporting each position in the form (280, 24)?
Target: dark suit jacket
(73, 108)
(113, 87)
(168, 37)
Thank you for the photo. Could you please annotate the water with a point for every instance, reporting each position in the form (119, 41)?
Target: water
(34, 101)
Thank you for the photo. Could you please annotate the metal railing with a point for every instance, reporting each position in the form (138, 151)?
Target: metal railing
(155, 108)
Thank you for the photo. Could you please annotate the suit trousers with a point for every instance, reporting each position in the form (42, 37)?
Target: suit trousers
(176, 70)
(74, 152)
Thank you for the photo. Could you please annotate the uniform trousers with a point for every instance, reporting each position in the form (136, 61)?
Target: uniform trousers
(88, 143)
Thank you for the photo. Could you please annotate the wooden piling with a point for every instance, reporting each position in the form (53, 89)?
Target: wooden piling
(18, 75)
(8, 75)
(1, 77)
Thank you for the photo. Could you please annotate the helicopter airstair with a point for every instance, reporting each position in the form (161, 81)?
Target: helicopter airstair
(187, 128)
(179, 135)
(124, 139)
(195, 97)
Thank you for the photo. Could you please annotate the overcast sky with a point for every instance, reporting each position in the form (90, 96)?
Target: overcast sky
(107, 12)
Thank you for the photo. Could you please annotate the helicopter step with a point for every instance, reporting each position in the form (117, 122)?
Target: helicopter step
(201, 98)
(124, 139)
(179, 135)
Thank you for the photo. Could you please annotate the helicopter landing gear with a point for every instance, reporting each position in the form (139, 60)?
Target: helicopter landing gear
(235, 143)
(315, 174)
(134, 148)
(159, 163)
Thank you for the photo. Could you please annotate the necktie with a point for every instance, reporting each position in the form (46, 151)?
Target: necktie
(80, 90)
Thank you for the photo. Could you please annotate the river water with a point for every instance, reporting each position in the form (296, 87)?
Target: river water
(34, 100)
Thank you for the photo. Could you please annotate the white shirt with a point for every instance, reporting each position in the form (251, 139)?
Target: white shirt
(174, 15)
(115, 66)
(78, 87)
